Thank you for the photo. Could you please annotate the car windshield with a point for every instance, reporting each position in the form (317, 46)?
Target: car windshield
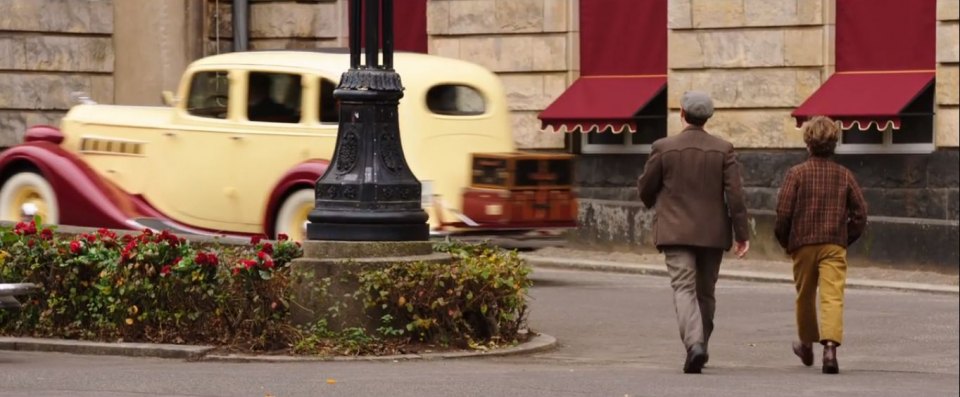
(209, 94)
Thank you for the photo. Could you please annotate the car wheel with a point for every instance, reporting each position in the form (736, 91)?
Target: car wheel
(28, 192)
(291, 218)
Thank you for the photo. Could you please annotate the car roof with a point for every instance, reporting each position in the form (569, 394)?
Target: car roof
(332, 60)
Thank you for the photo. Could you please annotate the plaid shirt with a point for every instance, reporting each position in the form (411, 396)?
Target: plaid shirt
(819, 203)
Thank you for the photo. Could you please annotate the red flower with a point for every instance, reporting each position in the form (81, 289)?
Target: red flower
(165, 270)
(24, 228)
(106, 233)
(31, 243)
(212, 259)
(283, 237)
(267, 247)
(268, 264)
(254, 240)
(46, 234)
(200, 259)
(89, 237)
(127, 252)
(248, 263)
(263, 255)
(236, 271)
(170, 238)
(75, 247)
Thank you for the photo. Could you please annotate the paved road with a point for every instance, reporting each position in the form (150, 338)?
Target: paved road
(618, 338)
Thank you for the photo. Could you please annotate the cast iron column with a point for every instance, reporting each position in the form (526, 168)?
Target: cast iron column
(368, 192)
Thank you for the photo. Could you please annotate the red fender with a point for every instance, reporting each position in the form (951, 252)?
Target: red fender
(303, 175)
(83, 197)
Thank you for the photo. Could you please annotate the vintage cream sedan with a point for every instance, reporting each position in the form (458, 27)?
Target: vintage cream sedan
(241, 145)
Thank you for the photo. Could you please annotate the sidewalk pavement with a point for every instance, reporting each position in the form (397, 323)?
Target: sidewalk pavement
(858, 276)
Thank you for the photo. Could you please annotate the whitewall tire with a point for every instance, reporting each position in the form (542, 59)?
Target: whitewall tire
(31, 192)
(291, 218)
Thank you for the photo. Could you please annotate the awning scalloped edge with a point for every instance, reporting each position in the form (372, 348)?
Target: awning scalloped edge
(859, 124)
(617, 128)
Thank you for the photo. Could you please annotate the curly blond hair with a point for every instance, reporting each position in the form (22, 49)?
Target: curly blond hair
(821, 134)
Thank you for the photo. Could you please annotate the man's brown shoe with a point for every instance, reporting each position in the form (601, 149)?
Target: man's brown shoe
(830, 365)
(804, 351)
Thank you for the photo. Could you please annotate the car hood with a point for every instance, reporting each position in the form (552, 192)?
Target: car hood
(127, 116)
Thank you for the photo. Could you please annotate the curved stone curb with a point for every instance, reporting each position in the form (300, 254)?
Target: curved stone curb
(652, 270)
(186, 352)
(536, 344)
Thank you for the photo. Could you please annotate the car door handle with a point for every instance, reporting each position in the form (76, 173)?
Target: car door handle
(169, 134)
(236, 138)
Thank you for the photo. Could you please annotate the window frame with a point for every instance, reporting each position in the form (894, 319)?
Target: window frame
(887, 147)
(481, 93)
(304, 88)
(656, 109)
(923, 105)
(185, 102)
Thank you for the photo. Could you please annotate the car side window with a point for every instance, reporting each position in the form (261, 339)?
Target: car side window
(329, 111)
(274, 97)
(209, 94)
(455, 100)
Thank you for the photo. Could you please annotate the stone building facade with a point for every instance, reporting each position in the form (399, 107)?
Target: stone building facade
(760, 59)
(48, 49)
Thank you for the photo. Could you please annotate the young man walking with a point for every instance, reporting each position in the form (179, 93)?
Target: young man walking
(820, 211)
(693, 180)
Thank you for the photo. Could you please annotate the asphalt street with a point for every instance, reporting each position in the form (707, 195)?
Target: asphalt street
(618, 337)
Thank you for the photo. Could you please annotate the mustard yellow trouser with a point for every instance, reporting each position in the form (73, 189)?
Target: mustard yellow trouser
(824, 265)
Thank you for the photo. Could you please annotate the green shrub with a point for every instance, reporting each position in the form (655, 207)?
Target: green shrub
(479, 298)
(151, 287)
(157, 287)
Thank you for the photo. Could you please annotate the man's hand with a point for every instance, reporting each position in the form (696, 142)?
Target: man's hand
(742, 248)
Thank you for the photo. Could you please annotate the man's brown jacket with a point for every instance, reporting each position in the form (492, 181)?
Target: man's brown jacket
(694, 180)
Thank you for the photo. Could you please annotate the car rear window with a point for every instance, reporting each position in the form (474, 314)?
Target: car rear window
(455, 100)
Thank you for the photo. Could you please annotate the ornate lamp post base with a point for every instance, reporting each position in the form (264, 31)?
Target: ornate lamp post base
(368, 192)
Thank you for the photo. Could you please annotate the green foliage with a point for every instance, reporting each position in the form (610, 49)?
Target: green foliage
(157, 287)
(479, 298)
(151, 287)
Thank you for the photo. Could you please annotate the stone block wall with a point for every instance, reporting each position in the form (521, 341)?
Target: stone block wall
(278, 24)
(759, 59)
(948, 69)
(48, 49)
(529, 43)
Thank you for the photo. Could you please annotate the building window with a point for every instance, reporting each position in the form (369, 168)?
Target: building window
(915, 134)
(651, 125)
(618, 104)
(274, 97)
(209, 94)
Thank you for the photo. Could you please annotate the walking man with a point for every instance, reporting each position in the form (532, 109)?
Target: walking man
(820, 211)
(693, 179)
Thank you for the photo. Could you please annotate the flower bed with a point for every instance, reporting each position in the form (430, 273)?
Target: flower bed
(158, 287)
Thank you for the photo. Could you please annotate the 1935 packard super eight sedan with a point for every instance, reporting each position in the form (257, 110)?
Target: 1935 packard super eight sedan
(240, 147)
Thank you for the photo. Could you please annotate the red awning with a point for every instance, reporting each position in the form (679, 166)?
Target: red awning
(596, 103)
(863, 98)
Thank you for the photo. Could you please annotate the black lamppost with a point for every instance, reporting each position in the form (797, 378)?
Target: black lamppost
(368, 192)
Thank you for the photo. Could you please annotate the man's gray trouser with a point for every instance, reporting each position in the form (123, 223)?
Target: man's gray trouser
(693, 276)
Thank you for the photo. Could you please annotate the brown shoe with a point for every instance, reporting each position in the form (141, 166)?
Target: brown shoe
(830, 365)
(804, 351)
